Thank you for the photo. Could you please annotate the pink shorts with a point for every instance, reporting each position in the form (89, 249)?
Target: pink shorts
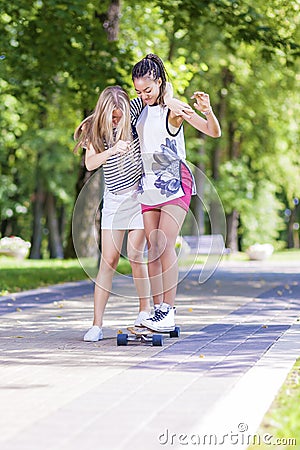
(184, 201)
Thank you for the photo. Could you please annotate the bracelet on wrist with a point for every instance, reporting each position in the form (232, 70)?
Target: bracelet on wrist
(206, 113)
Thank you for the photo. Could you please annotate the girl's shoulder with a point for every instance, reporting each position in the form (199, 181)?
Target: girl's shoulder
(136, 107)
(136, 102)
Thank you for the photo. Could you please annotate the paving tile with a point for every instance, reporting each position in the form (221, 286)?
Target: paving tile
(62, 393)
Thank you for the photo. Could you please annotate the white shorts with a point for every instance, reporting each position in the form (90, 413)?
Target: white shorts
(121, 212)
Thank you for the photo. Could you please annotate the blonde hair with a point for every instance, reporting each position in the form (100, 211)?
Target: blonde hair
(97, 129)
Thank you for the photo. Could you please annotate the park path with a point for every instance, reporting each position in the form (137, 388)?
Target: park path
(240, 336)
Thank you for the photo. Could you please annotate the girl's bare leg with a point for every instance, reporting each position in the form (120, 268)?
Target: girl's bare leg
(111, 249)
(135, 251)
(151, 223)
(170, 223)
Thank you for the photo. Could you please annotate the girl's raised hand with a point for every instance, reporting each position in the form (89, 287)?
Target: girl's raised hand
(202, 102)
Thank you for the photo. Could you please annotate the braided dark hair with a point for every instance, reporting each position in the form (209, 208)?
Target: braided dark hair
(152, 66)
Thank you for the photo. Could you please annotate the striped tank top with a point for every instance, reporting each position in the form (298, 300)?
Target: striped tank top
(121, 172)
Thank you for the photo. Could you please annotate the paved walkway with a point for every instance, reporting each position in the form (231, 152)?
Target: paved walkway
(240, 336)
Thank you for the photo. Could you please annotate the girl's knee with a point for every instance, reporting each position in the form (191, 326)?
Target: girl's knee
(135, 254)
(153, 251)
(108, 263)
(136, 248)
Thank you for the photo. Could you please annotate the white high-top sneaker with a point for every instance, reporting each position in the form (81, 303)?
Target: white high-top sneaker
(163, 319)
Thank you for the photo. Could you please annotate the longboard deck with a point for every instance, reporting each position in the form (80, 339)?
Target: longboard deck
(146, 331)
(140, 331)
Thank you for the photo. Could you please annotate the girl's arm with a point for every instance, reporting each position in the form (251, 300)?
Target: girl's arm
(94, 160)
(211, 125)
(182, 111)
(177, 107)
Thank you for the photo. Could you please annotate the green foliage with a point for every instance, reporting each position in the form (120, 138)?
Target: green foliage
(58, 58)
(29, 151)
(255, 199)
(70, 47)
(260, 220)
(56, 79)
(236, 186)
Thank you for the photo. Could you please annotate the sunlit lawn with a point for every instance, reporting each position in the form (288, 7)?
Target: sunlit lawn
(286, 255)
(18, 275)
(280, 428)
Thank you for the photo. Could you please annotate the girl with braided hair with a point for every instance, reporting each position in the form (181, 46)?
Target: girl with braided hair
(167, 183)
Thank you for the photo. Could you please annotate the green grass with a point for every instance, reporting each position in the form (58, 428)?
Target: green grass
(19, 275)
(286, 255)
(282, 421)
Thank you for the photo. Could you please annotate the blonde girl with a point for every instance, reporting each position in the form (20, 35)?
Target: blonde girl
(111, 141)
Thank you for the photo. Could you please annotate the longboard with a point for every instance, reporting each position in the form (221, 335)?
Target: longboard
(144, 334)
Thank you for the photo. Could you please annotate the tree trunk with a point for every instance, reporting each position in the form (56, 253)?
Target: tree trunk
(7, 227)
(38, 211)
(234, 143)
(234, 148)
(293, 232)
(62, 222)
(111, 24)
(55, 244)
(227, 78)
(217, 219)
(85, 221)
(199, 223)
(83, 177)
(84, 246)
(232, 231)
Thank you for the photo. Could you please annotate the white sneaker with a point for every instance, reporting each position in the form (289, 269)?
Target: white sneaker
(163, 319)
(94, 334)
(142, 316)
(153, 311)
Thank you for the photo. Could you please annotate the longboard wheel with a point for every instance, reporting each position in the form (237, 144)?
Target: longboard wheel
(157, 340)
(122, 339)
(175, 333)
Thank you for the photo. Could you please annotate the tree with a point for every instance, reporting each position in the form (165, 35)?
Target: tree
(237, 52)
(58, 76)
(238, 38)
